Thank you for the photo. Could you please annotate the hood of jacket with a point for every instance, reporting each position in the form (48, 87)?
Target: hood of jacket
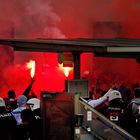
(136, 101)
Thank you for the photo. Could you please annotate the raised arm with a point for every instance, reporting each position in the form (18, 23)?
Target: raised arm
(28, 89)
(96, 102)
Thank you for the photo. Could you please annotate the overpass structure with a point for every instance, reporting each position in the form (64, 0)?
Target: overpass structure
(100, 127)
(118, 48)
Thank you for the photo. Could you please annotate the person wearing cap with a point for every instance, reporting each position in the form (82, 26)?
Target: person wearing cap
(21, 102)
(7, 122)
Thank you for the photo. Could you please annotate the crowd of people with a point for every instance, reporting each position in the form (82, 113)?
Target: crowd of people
(20, 117)
(121, 105)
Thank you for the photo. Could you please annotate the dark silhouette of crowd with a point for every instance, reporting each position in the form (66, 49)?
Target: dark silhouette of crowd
(122, 106)
(20, 117)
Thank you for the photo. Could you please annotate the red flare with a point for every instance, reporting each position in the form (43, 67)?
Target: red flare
(66, 70)
(31, 65)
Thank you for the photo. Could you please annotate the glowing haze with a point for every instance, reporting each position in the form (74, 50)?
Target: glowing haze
(65, 19)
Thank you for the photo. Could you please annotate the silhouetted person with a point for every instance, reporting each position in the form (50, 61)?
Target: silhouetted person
(35, 123)
(7, 122)
(122, 88)
(134, 114)
(127, 97)
(134, 86)
(12, 102)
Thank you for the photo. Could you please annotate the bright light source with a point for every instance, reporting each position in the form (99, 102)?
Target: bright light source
(66, 70)
(31, 65)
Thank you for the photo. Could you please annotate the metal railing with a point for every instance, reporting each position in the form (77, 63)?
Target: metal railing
(98, 125)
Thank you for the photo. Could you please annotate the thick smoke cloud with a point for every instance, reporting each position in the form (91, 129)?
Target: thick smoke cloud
(103, 19)
(65, 19)
(28, 19)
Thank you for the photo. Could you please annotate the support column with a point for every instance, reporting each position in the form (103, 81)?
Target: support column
(76, 56)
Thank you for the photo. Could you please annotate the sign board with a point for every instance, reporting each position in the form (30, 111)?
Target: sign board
(78, 86)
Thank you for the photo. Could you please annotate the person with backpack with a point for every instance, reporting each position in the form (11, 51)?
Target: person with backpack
(133, 115)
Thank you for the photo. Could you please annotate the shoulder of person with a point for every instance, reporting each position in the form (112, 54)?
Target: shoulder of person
(17, 110)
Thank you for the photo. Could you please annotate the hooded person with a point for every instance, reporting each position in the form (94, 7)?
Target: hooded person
(135, 103)
(21, 102)
(133, 115)
(7, 122)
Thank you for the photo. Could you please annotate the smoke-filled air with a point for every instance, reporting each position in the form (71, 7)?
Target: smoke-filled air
(65, 19)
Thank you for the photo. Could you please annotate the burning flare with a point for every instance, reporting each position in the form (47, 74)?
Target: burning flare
(31, 65)
(66, 70)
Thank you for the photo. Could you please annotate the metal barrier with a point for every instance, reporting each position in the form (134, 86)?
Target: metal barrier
(99, 126)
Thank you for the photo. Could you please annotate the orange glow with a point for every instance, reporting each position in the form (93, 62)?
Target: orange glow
(66, 70)
(31, 65)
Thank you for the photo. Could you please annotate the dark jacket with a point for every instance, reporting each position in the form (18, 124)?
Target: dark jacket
(132, 113)
(35, 124)
(7, 124)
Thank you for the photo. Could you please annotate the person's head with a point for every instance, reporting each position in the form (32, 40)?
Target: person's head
(2, 103)
(22, 100)
(137, 92)
(34, 103)
(115, 99)
(135, 85)
(11, 94)
(114, 95)
(127, 93)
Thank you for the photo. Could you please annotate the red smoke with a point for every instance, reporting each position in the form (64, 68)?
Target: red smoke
(65, 19)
